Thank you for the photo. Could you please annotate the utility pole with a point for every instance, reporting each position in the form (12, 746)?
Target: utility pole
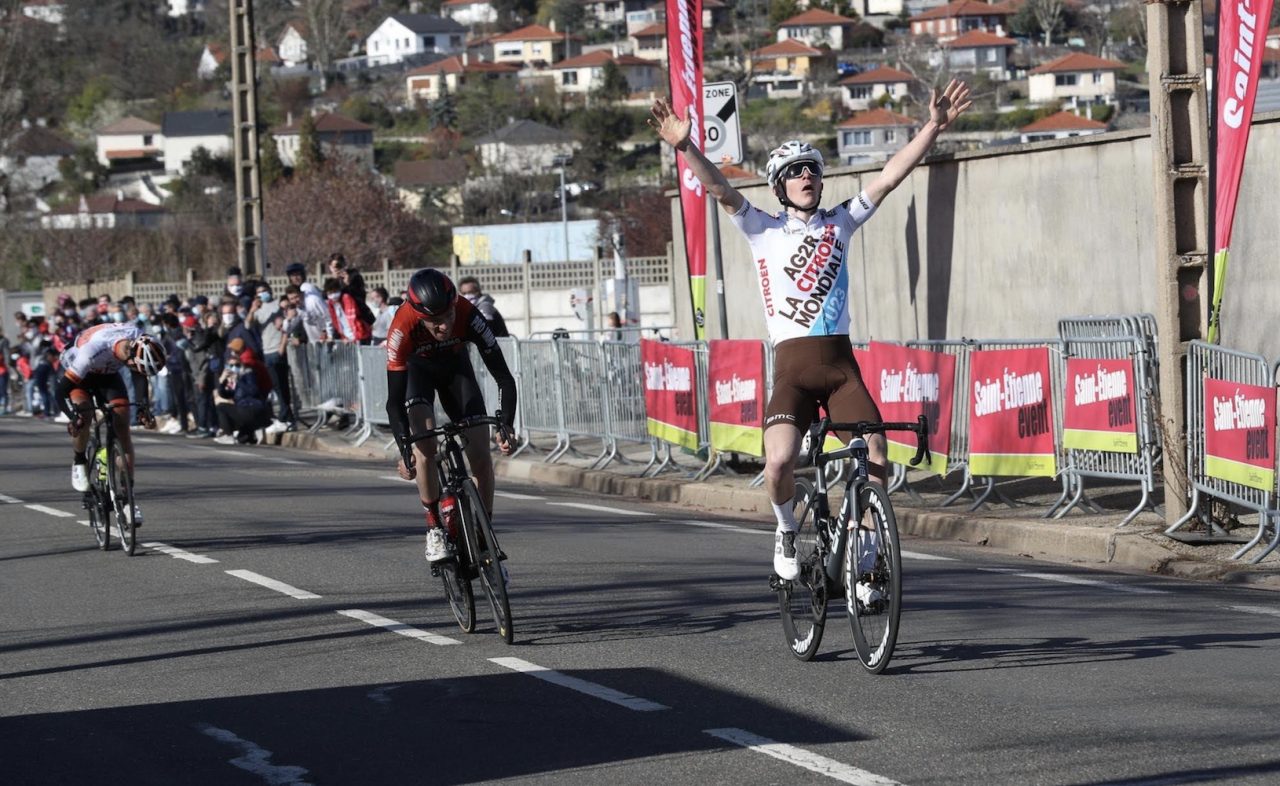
(1180, 166)
(244, 121)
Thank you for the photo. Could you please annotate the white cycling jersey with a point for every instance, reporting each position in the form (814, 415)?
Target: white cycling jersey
(95, 350)
(803, 270)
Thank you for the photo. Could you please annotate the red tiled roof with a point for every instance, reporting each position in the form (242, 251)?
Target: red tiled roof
(130, 125)
(1077, 61)
(1064, 121)
(327, 123)
(962, 8)
(598, 58)
(878, 118)
(882, 74)
(453, 65)
(140, 152)
(659, 29)
(532, 33)
(785, 49)
(816, 17)
(978, 38)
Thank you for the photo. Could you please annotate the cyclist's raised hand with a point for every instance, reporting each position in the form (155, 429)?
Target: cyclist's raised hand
(672, 128)
(948, 106)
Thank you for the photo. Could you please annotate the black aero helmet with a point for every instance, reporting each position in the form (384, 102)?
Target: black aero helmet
(431, 293)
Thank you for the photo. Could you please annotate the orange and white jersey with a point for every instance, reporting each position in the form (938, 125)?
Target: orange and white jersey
(95, 350)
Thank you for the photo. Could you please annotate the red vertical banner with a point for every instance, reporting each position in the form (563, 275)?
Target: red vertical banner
(684, 64)
(735, 389)
(670, 404)
(1239, 433)
(1098, 411)
(1242, 33)
(1010, 413)
(906, 383)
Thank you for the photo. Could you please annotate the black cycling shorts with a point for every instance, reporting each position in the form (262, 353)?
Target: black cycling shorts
(101, 387)
(815, 370)
(453, 378)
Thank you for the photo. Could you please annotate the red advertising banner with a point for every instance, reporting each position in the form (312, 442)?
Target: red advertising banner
(735, 389)
(1242, 32)
(1239, 433)
(1010, 413)
(1098, 412)
(684, 58)
(669, 400)
(907, 383)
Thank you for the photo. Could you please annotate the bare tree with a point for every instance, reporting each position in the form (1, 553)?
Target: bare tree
(326, 36)
(1048, 14)
(15, 62)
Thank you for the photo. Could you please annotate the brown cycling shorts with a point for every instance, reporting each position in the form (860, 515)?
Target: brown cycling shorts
(815, 370)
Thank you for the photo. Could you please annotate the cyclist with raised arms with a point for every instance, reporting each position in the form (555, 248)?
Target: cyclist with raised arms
(426, 354)
(801, 262)
(91, 367)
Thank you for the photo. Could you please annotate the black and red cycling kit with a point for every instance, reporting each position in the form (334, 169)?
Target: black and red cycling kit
(419, 365)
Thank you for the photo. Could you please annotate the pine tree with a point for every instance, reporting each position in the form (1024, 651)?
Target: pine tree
(310, 154)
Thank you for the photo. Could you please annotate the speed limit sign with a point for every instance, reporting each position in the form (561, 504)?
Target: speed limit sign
(722, 136)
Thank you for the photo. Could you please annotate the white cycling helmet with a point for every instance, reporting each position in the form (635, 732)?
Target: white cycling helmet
(148, 355)
(787, 154)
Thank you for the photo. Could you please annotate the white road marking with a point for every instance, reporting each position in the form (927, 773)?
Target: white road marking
(729, 527)
(927, 557)
(1063, 579)
(239, 453)
(601, 509)
(278, 586)
(62, 514)
(10, 500)
(287, 461)
(379, 621)
(177, 553)
(801, 758)
(1268, 610)
(256, 760)
(85, 522)
(513, 495)
(582, 686)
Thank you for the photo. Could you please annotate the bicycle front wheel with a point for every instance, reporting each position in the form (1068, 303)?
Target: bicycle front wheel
(488, 559)
(99, 517)
(121, 487)
(873, 579)
(803, 600)
(457, 590)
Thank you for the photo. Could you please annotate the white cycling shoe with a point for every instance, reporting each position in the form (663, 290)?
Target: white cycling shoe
(785, 563)
(80, 477)
(438, 546)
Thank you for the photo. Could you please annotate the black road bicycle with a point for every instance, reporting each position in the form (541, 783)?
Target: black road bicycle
(830, 569)
(109, 499)
(478, 554)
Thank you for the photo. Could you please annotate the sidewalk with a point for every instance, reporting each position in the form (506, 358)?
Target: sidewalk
(1078, 538)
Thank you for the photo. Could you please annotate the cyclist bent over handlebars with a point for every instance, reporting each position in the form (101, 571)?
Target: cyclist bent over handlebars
(801, 261)
(426, 354)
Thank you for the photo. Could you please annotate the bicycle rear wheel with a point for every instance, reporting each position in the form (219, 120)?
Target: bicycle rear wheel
(803, 600)
(873, 580)
(121, 488)
(488, 559)
(457, 590)
(99, 518)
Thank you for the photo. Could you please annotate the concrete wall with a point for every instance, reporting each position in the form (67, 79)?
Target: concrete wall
(551, 310)
(1004, 244)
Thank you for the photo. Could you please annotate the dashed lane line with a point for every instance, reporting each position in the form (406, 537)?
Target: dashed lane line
(10, 500)
(513, 495)
(1267, 610)
(62, 514)
(601, 509)
(269, 583)
(177, 553)
(582, 686)
(378, 621)
(1077, 580)
(800, 757)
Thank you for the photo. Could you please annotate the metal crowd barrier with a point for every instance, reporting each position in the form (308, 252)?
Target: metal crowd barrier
(627, 419)
(701, 359)
(1137, 467)
(958, 453)
(488, 385)
(1213, 362)
(583, 393)
(326, 381)
(373, 390)
(543, 411)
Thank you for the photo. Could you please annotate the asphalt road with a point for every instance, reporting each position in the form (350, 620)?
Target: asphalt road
(648, 648)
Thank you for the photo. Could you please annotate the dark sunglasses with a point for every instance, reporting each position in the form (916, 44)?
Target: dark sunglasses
(799, 168)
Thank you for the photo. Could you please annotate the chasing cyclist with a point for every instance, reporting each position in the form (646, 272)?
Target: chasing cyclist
(91, 368)
(802, 265)
(426, 354)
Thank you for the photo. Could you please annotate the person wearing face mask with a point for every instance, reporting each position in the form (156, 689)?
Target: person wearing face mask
(269, 319)
(204, 358)
(314, 310)
(236, 288)
(469, 287)
(344, 315)
(383, 314)
(233, 327)
(241, 402)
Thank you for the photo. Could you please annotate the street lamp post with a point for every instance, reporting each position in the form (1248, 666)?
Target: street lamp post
(564, 205)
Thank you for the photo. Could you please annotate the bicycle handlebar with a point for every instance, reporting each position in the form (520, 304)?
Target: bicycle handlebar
(458, 426)
(863, 427)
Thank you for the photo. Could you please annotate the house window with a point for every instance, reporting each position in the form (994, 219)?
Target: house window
(1064, 80)
(857, 138)
(569, 78)
(991, 55)
(1097, 77)
(428, 42)
(890, 135)
(146, 140)
(510, 50)
(859, 91)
